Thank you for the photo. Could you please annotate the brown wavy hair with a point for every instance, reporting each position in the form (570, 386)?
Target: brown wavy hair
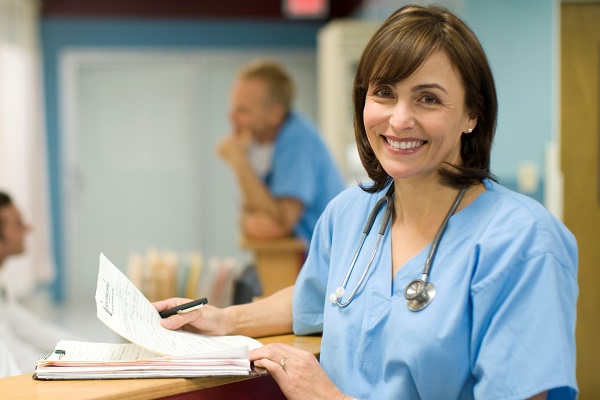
(402, 43)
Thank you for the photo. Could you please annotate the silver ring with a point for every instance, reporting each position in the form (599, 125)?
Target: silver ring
(282, 362)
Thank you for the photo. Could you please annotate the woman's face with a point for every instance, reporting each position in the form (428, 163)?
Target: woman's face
(415, 125)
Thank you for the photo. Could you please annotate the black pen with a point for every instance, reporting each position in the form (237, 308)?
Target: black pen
(184, 308)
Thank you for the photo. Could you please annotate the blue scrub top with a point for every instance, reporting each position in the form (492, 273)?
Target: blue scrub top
(501, 326)
(303, 169)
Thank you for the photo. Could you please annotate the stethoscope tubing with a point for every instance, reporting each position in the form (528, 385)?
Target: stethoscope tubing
(362, 278)
(420, 298)
(366, 230)
(388, 201)
(438, 236)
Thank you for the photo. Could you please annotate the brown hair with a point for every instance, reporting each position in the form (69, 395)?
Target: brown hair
(279, 84)
(404, 41)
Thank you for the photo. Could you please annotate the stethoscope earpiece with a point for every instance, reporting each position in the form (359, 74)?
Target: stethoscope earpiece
(338, 294)
(418, 294)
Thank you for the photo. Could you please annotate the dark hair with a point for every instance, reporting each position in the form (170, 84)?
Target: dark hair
(5, 201)
(404, 41)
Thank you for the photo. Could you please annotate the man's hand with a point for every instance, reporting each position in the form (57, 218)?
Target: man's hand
(234, 148)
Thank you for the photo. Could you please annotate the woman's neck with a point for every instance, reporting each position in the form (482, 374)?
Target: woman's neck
(426, 204)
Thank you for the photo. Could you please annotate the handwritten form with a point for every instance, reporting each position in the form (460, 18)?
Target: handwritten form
(125, 310)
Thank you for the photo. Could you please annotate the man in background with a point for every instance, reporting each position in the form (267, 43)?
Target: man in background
(26, 337)
(284, 170)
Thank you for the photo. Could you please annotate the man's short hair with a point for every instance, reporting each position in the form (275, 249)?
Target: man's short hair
(279, 83)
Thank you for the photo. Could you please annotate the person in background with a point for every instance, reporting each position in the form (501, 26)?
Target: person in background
(285, 172)
(27, 337)
(501, 323)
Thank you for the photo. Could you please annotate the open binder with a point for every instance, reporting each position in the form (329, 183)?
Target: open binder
(153, 351)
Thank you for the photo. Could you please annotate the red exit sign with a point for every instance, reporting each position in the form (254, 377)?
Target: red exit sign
(305, 9)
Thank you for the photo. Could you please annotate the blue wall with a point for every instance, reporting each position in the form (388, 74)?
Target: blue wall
(521, 40)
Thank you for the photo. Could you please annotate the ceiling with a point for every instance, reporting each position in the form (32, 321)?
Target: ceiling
(189, 9)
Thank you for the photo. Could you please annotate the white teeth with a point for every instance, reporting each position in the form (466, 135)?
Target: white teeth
(404, 145)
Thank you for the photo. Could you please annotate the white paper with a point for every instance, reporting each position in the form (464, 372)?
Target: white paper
(125, 310)
(85, 360)
(99, 352)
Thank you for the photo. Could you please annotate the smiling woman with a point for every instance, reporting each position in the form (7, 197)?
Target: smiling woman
(505, 270)
(465, 67)
(415, 127)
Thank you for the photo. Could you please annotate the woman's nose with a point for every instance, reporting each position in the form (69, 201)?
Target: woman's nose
(402, 117)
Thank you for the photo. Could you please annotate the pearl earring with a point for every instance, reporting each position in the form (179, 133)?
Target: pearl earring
(469, 130)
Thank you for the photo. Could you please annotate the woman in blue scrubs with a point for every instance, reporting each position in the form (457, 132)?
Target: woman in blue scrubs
(502, 322)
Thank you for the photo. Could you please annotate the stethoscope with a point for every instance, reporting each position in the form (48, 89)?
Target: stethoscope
(419, 292)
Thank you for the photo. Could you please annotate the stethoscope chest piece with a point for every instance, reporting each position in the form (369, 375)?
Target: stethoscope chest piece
(419, 293)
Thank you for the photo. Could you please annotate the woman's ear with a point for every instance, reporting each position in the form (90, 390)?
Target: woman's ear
(471, 124)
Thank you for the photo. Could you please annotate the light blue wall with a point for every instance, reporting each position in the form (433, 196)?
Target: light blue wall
(521, 40)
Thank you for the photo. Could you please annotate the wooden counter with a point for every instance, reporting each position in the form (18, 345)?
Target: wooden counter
(239, 387)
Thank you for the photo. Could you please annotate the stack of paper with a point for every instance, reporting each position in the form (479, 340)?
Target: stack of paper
(153, 352)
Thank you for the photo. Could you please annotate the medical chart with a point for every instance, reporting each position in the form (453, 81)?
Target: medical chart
(154, 352)
(125, 310)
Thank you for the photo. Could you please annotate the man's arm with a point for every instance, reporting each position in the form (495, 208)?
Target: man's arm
(262, 215)
(262, 226)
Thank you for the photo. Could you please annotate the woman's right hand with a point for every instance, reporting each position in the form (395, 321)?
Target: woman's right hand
(271, 315)
(207, 320)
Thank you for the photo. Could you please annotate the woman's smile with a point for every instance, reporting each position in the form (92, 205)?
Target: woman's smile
(404, 144)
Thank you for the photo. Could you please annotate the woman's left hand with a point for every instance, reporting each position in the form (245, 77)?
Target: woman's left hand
(297, 372)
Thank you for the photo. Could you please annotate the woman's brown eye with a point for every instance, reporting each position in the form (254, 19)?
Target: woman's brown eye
(430, 99)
